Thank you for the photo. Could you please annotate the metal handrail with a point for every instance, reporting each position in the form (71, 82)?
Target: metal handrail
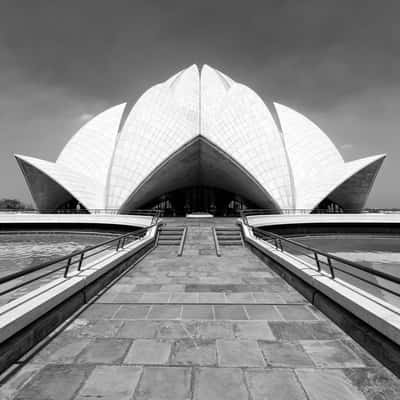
(328, 256)
(182, 243)
(81, 255)
(278, 242)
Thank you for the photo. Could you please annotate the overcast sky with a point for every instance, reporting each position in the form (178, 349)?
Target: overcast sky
(338, 62)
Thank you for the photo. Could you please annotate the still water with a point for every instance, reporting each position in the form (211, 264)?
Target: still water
(379, 252)
(22, 250)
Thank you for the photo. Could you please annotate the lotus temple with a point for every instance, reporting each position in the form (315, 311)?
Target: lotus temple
(200, 142)
(182, 299)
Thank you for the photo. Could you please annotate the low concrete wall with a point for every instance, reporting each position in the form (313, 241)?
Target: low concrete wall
(368, 320)
(275, 221)
(60, 220)
(27, 320)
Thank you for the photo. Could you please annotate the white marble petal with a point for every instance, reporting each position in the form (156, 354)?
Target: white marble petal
(332, 177)
(163, 119)
(83, 188)
(90, 150)
(309, 150)
(237, 120)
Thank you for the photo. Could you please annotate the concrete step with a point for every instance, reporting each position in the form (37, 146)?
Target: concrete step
(233, 243)
(169, 243)
(236, 239)
(236, 236)
(163, 240)
(229, 236)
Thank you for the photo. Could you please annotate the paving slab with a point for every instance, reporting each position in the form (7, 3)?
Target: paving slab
(148, 351)
(155, 297)
(263, 312)
(258, 330)
(268, 298)
(97, 328)
(132, 311)
(165, 311)
(104, 351)
(182, 297)
(62, 350)
(331, 354)
(296, 313)
(198, 311)
(172, 383)
(100, 311)
(173, 330)
(219, 384)
(230, 312)
(240, 298)
(194, 352)
(305, 330)
(375, 383)
(110, 383)
(239, 353)
(328, 385)
(213, 329)
(285, 354)
(22, 376)
(122, 298)
(274, 384)
(212, 298)
(139, 329)
(55, 382)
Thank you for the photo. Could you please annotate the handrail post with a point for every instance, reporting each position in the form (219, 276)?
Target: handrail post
(80, 261)
(67, 267)
(331, 268)
(317, 261)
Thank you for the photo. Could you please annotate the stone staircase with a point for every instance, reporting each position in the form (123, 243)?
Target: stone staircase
(170, 236)
(229, 236)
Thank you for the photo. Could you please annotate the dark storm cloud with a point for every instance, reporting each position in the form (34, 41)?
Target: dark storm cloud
(336, 61)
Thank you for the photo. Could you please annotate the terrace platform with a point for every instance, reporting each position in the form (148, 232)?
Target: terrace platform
(199, 327)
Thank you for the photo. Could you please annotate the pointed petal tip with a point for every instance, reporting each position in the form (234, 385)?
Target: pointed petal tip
(205, 67)
(21, 157)
(193, 67)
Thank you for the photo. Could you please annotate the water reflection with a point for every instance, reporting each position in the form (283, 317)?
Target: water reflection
(18, 251)
(379, 252)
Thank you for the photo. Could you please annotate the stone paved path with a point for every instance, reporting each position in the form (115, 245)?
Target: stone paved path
(201, 327)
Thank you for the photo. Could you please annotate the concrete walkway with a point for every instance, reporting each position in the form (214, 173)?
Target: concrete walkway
(201, 327)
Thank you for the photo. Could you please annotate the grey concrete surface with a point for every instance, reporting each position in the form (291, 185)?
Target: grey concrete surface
(200, 327)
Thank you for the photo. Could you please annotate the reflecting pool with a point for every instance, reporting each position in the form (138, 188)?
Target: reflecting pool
(379, 252)
(22, 250)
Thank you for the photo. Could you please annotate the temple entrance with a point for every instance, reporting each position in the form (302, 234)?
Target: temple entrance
(199, 199)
